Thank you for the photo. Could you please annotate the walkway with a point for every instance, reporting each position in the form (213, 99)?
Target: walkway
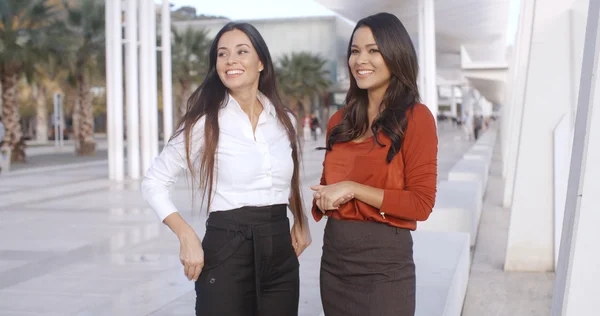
(491, 290)
(80, 245)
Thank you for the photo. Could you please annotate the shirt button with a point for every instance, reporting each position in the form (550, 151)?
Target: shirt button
(268, 173)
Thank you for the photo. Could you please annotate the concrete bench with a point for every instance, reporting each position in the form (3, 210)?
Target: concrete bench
(488, 138)
(480, 151)
(442, 264)
(470, 169)
(457, 208)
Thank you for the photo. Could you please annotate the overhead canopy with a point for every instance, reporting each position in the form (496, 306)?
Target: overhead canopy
(478, 25)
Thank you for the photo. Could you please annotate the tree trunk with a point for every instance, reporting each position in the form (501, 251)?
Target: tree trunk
(76, 117)
(10, 114)
(85, 135)
(41, 119)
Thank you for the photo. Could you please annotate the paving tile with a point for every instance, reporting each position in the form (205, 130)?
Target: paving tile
(81, 245)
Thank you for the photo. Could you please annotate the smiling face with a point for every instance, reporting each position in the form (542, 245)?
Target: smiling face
(366, 62)
(238, 64)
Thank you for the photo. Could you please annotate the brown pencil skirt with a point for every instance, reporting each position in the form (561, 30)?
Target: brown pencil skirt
(367, 269)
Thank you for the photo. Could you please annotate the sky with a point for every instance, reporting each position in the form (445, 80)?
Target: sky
(513, 20)
(259, 9)
(256, 9)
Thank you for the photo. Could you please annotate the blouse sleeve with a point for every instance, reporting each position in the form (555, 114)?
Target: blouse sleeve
(166, 168)
(416, 200)
(335, 120)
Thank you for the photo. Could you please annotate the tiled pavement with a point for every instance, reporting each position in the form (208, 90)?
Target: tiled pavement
(73, 243)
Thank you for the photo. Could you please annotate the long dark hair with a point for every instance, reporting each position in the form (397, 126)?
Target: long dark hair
(209, 98)
(401, 95)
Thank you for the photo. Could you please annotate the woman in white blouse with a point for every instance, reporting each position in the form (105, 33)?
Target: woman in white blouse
(239, 142)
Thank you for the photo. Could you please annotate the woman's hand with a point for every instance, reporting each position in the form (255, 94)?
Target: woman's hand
(300, 237)
(329, 197)
(191, 255)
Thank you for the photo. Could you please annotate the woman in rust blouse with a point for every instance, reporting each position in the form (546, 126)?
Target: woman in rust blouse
(379, 176)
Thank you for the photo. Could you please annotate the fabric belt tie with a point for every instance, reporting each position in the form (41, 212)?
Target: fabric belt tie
(244, 232)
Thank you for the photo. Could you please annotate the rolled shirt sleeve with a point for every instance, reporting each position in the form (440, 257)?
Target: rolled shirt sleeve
(166, 168)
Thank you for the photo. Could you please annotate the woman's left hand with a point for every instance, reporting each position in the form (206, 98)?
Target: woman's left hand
(330, 197)
(300, 237)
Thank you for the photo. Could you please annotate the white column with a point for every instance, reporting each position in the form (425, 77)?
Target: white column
(427, 51)
(133, 113)
(114, 69)
(508, 103)
(453, 102)
(110, 129)
(167, 82)
(530, 244)
(153, 82)
(467, 100)
(146, 49)
(517, 99)
(576, 289)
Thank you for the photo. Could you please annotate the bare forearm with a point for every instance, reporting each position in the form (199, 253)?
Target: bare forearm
(178, 225)
(367, 194)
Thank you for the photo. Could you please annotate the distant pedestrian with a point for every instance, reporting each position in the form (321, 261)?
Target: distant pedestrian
(477, 125)
(467, 123)
(314, 125)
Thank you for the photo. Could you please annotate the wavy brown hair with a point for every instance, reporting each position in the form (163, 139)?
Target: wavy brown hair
(209, 98)
(401, 95)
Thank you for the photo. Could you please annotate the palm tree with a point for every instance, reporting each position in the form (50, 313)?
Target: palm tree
(190, 62)
(23, 25)
(84, 26)
(300, 77)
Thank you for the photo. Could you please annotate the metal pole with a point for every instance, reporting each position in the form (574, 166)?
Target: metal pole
(110, 103)
(167, 82)
(114, 71)
(153, 81)
(56, 120)
(61, 125)
(146, 48)
(133, 112)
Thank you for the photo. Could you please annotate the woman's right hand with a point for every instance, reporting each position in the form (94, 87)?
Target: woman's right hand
(191, 255)
(190, 250)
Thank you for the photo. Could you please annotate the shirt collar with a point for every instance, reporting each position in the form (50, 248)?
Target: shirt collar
(268, 106)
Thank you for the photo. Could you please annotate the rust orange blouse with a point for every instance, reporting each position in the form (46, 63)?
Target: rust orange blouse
(409, 181)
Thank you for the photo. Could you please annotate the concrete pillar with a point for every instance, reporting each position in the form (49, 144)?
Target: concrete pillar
(114, 89)
(146, 49)
(517, 98)
(133, 113)
(576, 285)
(427, 51)
(547, 90)
(167, 82)
(514, 70)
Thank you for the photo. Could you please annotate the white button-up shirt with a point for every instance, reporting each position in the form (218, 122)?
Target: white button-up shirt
(251, 169)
